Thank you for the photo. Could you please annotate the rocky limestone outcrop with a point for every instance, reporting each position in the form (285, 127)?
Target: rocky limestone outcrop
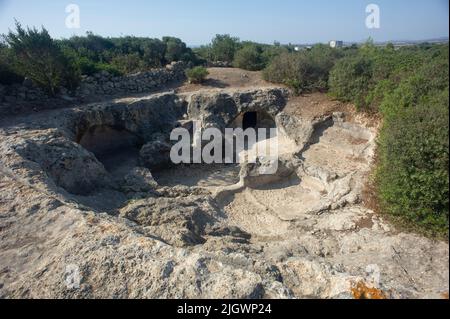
(139, 180)
(220, 109)
(50, 158)
(180, 221)
(301, 232)
(49, 152)
(156, 153)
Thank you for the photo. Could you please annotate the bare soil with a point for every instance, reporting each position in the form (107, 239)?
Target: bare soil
(313, 105)
(224, 78)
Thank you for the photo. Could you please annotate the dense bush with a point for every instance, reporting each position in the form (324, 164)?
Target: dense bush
(176, 50)
(287, 69)
(110, 68)
(351, 78)
(197, 74)
(303, 71)
(126, 54)
(92, 47)
(128, 63)
(7, 73)
(245, 55)
(39, 58)
(204, 52)
(224, 47)
(365, 76)
(413, 178)
(249, 58)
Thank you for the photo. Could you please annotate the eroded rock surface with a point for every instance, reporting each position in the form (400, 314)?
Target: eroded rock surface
(73, 227)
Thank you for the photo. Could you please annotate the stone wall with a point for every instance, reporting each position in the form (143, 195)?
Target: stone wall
(219, 64)
(106, 84)
(26, 97)
(17, 98)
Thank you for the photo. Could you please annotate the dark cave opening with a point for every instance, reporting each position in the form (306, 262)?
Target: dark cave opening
(250, 120)
(115, 147)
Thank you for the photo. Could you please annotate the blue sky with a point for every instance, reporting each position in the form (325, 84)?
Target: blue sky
(197, 21)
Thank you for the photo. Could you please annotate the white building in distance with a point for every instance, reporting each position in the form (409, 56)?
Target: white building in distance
(336, 44)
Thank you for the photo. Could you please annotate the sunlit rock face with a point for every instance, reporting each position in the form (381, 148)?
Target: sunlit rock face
(89, 193)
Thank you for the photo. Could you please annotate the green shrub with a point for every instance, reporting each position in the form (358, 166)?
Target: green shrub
(224, 47)
(197, 74)
(204, 52)
(8, 76)
(247, 55)
(127, 54)
(270, 52)
(87, 66)
(94, 47)
(291, 69)
(7, 73)
(413, 180)
(39, 58)
(175, 48)
(280, 69)
(377, 95)
(295, 84)
(128, 63)
(302, 71)
(111, 69)
(350, 79)
(249, 58)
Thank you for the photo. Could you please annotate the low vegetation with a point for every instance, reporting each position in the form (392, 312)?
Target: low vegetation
(246, 55)
(412, 175)
(249, 58)
(197, 74)
(303, 71)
